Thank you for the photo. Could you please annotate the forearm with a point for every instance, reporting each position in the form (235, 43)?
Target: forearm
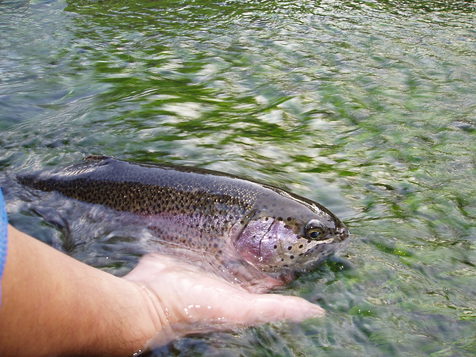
(55, 305)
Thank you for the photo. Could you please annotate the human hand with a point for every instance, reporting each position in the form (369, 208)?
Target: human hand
(184, 300)
(43, 290)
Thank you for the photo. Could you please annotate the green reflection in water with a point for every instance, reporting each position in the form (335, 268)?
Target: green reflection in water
(365, 106)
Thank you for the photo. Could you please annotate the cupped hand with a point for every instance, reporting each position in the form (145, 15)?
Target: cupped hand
(184, 300)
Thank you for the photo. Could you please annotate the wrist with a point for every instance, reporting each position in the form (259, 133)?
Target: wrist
(148, 320)
(129, 319)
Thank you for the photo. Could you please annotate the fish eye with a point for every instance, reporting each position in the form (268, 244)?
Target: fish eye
(314, 233)
(314, 230)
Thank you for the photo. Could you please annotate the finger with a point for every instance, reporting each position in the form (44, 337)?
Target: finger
(270, 307)
(259, 309)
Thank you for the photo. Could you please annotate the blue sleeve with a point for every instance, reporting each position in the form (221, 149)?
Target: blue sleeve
(3, 234)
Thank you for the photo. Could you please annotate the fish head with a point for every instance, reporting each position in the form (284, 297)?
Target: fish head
(296, 239)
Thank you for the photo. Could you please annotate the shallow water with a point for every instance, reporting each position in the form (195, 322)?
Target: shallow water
(367, 107)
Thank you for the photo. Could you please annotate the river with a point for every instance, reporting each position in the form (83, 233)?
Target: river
(365, 106)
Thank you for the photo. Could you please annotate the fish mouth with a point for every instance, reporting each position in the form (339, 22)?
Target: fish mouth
(342, 233)
(325, 241)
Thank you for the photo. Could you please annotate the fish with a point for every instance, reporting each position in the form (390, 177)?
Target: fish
(235, 220)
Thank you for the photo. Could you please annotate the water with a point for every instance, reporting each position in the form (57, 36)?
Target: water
(365, 106)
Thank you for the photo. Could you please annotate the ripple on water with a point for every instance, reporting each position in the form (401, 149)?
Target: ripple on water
(366, 106)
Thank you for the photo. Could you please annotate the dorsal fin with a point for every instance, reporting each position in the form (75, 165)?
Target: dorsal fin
(96, 158)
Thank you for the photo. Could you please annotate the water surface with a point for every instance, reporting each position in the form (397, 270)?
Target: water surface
(367, 107)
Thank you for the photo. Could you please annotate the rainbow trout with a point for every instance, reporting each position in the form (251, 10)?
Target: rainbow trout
(212, 213)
